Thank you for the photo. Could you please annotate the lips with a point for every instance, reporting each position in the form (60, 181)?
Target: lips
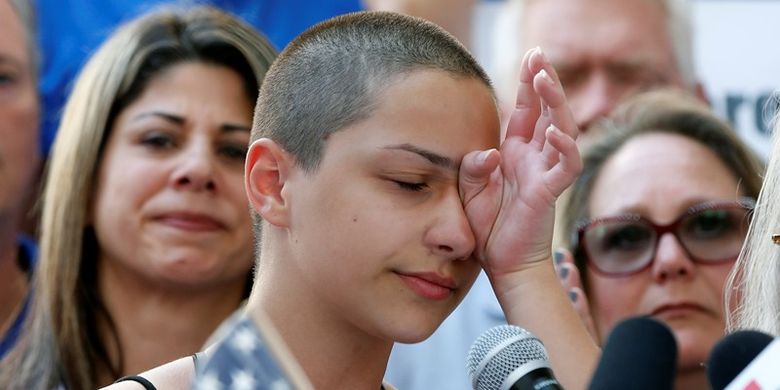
(677, 309)
(429, 285)
(190, 221)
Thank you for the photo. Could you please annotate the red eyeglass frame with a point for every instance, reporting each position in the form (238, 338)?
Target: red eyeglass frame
(746, 203)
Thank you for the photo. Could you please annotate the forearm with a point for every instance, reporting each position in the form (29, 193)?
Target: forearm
(532, 298)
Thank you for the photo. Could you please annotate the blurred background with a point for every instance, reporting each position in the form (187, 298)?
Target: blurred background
(736, 55)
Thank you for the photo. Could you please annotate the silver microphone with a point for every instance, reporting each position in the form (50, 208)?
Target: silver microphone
(508, 357)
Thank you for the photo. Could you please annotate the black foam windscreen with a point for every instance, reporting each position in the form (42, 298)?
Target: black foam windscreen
(732, 354)
(640, 353)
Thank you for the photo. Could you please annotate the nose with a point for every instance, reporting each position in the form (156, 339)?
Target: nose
(450, 234)
(671, 260)
(195, 169)
(594, 99)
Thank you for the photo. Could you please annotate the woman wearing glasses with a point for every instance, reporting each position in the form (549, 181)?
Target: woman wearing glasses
(657, 219)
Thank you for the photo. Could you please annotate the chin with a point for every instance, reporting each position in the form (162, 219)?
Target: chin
(693, 348)
(412, 337)
(414, 330)
(198, 274)
(193, 274)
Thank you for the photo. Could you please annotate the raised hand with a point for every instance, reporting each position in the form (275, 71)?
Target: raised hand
(509, 194)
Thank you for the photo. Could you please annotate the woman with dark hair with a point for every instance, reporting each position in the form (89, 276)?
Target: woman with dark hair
(146, 242)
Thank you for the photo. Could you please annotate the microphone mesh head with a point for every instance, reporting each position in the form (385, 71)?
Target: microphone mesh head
(500, 351)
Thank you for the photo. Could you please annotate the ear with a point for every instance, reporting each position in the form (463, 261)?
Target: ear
(266, 172)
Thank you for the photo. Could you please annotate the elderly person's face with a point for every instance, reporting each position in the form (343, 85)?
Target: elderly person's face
(19, 154)
(603, 50)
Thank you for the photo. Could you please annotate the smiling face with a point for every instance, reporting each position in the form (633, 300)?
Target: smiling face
(19, 154)
(169, 204)
(659, 176)
(378, 233)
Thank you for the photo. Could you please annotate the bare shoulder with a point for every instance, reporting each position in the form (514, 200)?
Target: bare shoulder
(175, 375)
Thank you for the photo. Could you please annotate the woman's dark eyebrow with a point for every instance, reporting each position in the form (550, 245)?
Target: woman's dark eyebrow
(433, 157)
(179, 120)
(230, 127)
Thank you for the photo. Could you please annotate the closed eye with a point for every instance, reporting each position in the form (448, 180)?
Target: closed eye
(408, 186)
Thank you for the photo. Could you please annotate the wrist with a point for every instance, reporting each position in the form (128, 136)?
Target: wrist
(526, 278)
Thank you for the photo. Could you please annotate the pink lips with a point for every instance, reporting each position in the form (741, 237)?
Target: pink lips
(429, 285)
(193, 222)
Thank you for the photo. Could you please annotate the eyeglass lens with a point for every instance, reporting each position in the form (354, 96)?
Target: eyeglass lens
(624, 245)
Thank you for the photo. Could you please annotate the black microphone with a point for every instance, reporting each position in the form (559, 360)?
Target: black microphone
(508, 357)
(640, 353)
(732, 354)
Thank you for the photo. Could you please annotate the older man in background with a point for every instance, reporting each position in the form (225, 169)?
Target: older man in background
(604, 50)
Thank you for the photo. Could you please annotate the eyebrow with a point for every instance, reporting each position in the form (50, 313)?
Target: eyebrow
(434, 158)
(179, 120)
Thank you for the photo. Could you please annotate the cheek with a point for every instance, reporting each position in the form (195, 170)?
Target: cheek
(123, 186)
(613, 300)
(20, 110)
(19, 132)
(362, 228)
(236, 193)
(351, 223)
(715, 278)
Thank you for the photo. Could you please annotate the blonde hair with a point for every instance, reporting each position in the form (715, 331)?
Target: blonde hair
(62, 344)
(753, 288)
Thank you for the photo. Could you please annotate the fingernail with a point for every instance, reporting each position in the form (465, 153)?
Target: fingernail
(563, 273)
(572, 296)
(541, 53)
(558, 257)
(483, 155)
(546, 77)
